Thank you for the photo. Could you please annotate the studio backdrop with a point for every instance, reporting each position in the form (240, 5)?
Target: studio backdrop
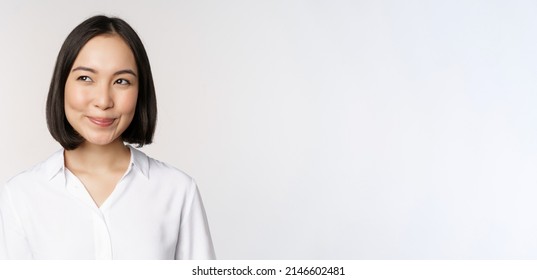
(320, 129)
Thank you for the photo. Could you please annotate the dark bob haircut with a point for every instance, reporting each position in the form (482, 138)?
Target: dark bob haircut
(142, 127)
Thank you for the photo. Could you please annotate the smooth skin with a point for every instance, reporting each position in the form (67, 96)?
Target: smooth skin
(100, 101)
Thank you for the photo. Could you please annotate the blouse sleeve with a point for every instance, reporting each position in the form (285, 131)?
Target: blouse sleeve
(13, 242)
(194, 241)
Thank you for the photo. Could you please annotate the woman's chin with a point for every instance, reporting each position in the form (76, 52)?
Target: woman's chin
(100, 141)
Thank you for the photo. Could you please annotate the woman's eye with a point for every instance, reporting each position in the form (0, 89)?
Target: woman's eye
(84, 79)
(123, 82)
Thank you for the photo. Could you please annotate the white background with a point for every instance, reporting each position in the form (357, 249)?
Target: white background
(320, 129)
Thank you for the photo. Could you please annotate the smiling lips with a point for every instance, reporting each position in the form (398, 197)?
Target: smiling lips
(102, 122)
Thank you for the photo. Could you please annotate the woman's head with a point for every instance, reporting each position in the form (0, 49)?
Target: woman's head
(102, 88)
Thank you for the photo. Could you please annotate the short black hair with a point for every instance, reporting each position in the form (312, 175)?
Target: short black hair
(142, 127)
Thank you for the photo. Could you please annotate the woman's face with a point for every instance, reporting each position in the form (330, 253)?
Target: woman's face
(102, 89)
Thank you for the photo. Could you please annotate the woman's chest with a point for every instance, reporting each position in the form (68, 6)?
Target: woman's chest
(135, 226)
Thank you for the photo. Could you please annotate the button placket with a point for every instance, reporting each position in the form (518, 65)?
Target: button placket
(101, 233)
(103, 244)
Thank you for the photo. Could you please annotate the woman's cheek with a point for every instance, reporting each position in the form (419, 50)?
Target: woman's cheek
(128, 101)
(75, 96)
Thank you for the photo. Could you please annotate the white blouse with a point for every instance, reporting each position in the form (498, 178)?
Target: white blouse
(154, 212)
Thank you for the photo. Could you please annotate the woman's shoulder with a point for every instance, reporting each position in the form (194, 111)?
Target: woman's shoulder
(35, 177)
(161, 171)
(40, 171)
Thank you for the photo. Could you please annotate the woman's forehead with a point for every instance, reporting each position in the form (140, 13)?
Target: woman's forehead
(106, 54)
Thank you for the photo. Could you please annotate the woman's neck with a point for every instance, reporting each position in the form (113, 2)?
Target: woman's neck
(91, 158)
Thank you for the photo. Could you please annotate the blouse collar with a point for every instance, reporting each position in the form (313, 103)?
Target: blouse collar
(140, 161)
(56, 163)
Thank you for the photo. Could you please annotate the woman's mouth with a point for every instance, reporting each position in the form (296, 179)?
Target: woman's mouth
(102, 122)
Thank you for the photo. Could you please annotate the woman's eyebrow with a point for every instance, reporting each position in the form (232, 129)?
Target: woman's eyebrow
(123, 71)
(83, 68)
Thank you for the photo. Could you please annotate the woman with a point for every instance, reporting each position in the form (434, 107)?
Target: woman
(98, 198)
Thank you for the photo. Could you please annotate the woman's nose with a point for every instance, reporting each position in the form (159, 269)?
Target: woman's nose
(103, 97)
